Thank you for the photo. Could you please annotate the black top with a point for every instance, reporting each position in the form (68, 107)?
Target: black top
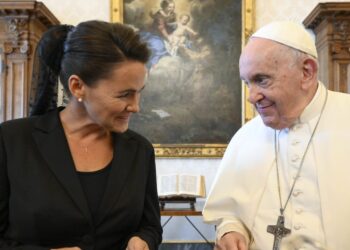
(42, 202)
(94, 186)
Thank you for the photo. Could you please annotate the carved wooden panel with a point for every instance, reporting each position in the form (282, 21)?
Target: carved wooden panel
(331, 24)
(21, 26)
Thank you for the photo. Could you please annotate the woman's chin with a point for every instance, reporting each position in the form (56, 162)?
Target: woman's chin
(120, 129)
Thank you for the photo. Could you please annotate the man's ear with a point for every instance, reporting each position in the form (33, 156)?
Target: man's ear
(76, 86)
(310, 69)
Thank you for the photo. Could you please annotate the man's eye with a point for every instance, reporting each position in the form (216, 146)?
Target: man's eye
(261, 81)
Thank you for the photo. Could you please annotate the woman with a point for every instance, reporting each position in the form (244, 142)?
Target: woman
(164, 20)
(163, 25)
(76, 177)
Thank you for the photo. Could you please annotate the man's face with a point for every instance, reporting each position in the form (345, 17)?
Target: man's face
(273, 76)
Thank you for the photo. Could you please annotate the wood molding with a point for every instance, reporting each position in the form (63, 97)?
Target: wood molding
(331, 25)
(22, 24)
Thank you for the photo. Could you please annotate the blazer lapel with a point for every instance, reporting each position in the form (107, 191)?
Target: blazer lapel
(52, 144)
(124, 154)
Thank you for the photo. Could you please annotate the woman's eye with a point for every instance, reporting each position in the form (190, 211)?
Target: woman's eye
(124, 95)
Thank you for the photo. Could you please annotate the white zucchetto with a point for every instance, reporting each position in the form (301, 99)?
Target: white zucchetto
(289, 33)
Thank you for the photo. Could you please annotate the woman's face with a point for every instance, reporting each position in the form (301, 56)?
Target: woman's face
(110, 102)
(170, 8)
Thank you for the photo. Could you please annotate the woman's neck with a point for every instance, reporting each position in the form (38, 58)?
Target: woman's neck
(76, 123)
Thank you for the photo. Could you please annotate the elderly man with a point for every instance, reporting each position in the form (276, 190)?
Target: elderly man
(287, 171)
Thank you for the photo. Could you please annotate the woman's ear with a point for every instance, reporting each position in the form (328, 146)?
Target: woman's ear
(76, 86)
(310, 69)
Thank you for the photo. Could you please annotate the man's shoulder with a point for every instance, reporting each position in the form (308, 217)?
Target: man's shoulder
(339, 103)
(340, 96)
(254, 128)
(255, 124)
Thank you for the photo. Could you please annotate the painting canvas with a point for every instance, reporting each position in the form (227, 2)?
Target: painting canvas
(193, 90)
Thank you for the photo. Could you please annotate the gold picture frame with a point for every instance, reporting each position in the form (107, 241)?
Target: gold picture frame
(197, 150)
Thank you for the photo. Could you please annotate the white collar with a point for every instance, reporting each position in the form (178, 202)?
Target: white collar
(313, 109)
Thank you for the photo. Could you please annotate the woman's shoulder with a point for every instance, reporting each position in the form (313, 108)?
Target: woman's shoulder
(140, 138)
(17, 129)
(18, 123)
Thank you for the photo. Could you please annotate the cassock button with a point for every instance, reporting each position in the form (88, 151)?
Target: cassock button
(295, 142)
(297, 126)
(296, 192)
(299, 210)
(296, 176)
(295, 158)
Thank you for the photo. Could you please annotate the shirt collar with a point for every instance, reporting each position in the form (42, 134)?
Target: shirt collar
(313, 109)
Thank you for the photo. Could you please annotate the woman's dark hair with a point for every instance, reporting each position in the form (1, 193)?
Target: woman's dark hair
(165, 3)
(90, 50)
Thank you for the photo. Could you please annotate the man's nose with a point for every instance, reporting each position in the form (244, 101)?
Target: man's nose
(254, 94)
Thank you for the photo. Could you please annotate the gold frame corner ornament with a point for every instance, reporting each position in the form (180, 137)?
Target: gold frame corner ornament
(201, 150)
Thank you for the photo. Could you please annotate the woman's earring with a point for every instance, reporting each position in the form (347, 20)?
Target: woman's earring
(80, 99)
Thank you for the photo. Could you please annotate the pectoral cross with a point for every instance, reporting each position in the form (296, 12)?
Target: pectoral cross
(279, 231)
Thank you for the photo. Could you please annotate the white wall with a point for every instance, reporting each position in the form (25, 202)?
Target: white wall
(73, 12)
(293, 10)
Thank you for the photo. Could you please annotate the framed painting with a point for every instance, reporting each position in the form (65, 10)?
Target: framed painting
(194, 100)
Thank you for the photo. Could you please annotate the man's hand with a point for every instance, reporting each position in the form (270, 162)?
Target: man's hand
(231, 241)
(136, 243)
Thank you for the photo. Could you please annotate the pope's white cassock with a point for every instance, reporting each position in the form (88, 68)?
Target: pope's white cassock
(244, 197)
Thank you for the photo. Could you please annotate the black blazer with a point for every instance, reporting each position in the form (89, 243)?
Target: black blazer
(42, 204)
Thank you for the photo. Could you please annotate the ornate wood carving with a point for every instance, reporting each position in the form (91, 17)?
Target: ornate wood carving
(21, 26)
(331, 24)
